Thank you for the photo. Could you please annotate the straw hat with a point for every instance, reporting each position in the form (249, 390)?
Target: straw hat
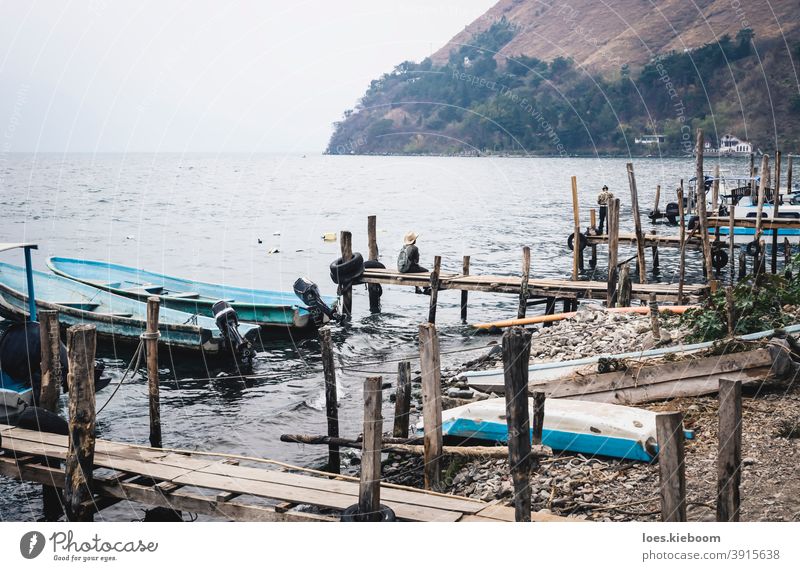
(410, 238)
(605, 187)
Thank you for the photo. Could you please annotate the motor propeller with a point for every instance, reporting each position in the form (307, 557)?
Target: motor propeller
(308, 292)
(228, 324)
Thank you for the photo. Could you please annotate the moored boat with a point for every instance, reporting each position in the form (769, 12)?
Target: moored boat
(570, 425)
(271, 309)
(115, 317)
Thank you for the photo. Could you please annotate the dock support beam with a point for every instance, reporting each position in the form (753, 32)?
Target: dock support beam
(50, 341)
(402, 401)
(593, 226)
(776, 194)
(637, 221)
(151, 349)
(576, 242)
(700, 188)
(431, 403)
(613, 250)
(373, 290)
(671, 466)
(331, 398)
(437, 267)
(464, 293)
(346, 242)
(523, 286)
(729, 456)
(81, 343)
(369, 490)
(682, 238)
(516, 354)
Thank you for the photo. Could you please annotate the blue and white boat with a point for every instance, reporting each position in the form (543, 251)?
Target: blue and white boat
(15, 396)
(275, 310)
(584, 427)
(115, 317)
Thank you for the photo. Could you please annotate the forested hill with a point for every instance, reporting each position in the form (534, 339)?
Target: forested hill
(495, 88)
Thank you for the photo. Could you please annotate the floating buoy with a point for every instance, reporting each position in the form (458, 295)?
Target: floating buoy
(259, 241)
(274, 251)
(276, 233)
(329, 236)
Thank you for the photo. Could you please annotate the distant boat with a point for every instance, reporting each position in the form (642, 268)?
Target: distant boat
(115, 317)
(272, 309)
(576, 426)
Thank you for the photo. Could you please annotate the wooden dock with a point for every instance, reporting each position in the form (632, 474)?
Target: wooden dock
(537, 288)
(220, 488)
(653, 240)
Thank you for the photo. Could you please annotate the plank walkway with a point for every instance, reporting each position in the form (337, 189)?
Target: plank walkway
(555, 288)
(658, 240)
(191, 482)
(766, 223)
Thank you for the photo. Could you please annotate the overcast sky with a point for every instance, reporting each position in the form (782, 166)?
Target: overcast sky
(189, 75)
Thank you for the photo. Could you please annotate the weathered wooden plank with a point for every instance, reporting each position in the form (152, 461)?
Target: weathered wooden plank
(431, 402)
(671, 466)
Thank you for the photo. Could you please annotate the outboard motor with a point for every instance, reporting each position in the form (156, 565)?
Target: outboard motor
(308, 292)
(228, 324)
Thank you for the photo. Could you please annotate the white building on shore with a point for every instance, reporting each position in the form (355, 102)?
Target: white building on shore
(729, 146)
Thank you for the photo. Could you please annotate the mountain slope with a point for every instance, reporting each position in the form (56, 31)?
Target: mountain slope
(591, 77)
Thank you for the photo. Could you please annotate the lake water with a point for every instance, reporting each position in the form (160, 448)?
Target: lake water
(201, 216)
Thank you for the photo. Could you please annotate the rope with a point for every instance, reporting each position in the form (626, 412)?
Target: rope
(132, 366)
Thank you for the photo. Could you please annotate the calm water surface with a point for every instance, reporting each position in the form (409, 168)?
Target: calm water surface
(201, 216)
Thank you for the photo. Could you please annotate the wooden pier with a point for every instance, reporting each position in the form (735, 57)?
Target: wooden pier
(653, 240)
(537, 288)
(221, 489)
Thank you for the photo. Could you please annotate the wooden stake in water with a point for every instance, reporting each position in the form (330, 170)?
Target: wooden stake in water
(151, 350)
(731, 238)
(700, 187)
(682, 249)
(464, 293)
(437, 266)
(346, 242)
(50, 341)
(523, 286)
(762, 189)
(431, 402)
(576, 228)
(331, 398)
(369, 490)
(671, 466)
(729, 456)
(613, 250)
(81, 343)
(516, 354)
(402, 401)
(593, 226)
(373, 290)
(637, 222)
(776, 199)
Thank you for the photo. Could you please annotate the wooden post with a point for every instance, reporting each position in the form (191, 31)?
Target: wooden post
(576, 242)
(742, 264)
(654, 323)
(437, 266)
(671, 466)
(682, 243)
(762, 258)
(731, 238)
(624, 291)
(701, 208)
(729, 456)
(789, 175)
(81, 343)
(431, 402)
(346, 242)
(464, 293)
(762, 188)
(331, 397)
(656, 261)
(150, 339)
(593, 226)
(787, 257)
(402, 400)
(658, 198)
(50, 339)
(537, 423)
(523, 286)
(715, 191)
(373, 290)
(516, 355)
(369, 489)
(776, 198)
(730, 310)
(751, 183)
(372, 237)
(637, 222)
(613, 250)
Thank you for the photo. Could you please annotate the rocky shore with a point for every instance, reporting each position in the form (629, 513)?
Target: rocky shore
(606, 489)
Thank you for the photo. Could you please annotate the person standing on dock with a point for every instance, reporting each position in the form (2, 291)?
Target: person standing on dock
(602, 200)
(408, 259)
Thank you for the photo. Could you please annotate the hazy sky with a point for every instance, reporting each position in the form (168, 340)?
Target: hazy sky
(180, 75)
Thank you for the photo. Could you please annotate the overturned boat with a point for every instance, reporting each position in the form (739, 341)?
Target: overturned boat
(121, 319)
(570, 425)
(274, 310)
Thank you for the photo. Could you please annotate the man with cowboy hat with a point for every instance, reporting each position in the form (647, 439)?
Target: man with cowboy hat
(408, 259)
(602, 200)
